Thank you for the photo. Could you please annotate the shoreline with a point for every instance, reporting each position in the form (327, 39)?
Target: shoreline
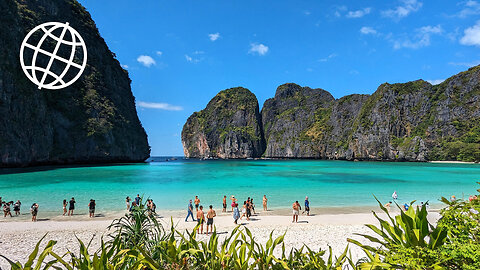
(452, 162)
(19, 168)
(82, 215)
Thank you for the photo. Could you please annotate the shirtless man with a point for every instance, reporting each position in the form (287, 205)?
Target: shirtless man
(210, 215)
(201, 219)
(196, 202)
(296, 209)
(224, 204)
(265, 203)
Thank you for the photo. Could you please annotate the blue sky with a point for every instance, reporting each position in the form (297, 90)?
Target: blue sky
(179, 54)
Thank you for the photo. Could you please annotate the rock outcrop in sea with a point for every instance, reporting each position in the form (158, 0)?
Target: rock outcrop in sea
(93, 120)
(229, 127)
(413, 121)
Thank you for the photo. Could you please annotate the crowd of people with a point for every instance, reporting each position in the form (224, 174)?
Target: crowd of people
(151, 206)
(7, 208)
(247, 210)
(34, 208)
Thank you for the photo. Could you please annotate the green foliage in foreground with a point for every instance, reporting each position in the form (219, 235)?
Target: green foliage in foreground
(409, 241)
(405, 241)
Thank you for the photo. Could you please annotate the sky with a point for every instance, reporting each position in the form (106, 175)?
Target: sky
(180, 54)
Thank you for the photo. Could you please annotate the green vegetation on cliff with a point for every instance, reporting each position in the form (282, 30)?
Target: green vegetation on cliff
(228, 127)
(411, 121)
(92, 120)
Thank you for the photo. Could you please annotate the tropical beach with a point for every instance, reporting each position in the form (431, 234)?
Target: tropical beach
(318, 231)
(241, 135)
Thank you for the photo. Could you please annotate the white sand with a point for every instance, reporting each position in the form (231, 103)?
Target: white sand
(452, 162)
(18, 238)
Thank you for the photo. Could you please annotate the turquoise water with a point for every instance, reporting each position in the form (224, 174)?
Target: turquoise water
(172, 184)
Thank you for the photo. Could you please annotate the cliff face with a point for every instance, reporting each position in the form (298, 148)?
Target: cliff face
(229, 127)
(290, 118)
(93, 120)
(412, 121)
(417, 121)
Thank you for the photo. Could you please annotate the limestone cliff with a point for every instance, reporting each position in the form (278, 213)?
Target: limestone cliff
(413, 121)
(93, 120)
(229, 127)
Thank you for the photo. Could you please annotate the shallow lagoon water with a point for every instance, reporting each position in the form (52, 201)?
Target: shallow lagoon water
(171, 184)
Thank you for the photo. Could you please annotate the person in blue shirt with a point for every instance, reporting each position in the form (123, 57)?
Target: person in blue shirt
(307, 206)
(190, 211)
(138, 199)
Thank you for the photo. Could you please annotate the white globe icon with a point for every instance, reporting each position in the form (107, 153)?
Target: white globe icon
(56, 36)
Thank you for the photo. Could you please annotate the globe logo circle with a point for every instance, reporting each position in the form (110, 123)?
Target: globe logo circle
(53, 35)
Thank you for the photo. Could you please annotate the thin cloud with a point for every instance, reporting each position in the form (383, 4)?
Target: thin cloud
(339, 10)
(188, 58)
(421, 39)
(195, 57)
(259, 49)
(214, 36)
(158, 106)
(469, 8)
(332, 55)
(125, 66)
(146, 60)
(435, 82)
(466, 64)
(159, 53)
(471, 35)
(367, 30)
(403, 10)
(358, 13)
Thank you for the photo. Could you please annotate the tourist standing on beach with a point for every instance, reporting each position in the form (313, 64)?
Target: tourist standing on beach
(244, 209)
(154, 206)
(236, 213)
(16, 207)
(91, 208)
(196, 202)
(296, 210)
(6, 209)
(64, 207)
(149, 207)
(138, 200)
(224, 204)
(190, 211)
(234, 201)
(248, 208)
(34, 211)
(265, 203)
(307, 206)
(127, 202)
(253, 206)
(210, 215)
(71, 206)
(201, 219)
(134, 204)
